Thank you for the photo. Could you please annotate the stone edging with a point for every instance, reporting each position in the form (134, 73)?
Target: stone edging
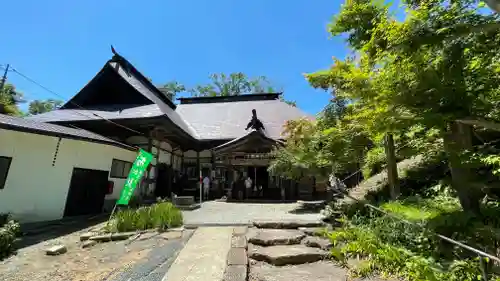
(237, 258)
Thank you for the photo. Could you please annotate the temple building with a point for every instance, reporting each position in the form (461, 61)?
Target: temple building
(220, 137)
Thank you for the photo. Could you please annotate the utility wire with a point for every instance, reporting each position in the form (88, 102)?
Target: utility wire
(74, 103)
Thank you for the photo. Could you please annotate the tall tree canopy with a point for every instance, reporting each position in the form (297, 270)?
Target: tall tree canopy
(234, 84)
(221, 84)
(171, 89)
(10, 99)
(42, 106)
(437, 65)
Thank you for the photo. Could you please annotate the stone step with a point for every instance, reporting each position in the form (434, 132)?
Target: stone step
(317, 242)
(314, 231)
(285, 255)
(271, 237)
(286, 224)
(318, 271)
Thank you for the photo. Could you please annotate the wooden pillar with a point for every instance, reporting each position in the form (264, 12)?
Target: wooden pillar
(198, 167)
(392, 169)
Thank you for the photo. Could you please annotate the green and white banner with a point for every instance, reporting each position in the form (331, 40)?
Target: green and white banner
(138, 168)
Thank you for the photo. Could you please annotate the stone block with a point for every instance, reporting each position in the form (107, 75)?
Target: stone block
(239, 242)
(240, 230)
(318, 271)
(317, 242)
(56, 250)
(88, 243)
(101, 238)
(237, 256)
(285, 255)
(235, 273)
(86, 236)
(283, 224)
(122, 235)
(270, 237)
(184, 200)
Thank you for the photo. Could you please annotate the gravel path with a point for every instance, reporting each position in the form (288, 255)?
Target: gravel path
(146, 258)
(222, 213)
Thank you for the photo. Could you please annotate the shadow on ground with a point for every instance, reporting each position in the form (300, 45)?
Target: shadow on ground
(34, 233)
(302, 210)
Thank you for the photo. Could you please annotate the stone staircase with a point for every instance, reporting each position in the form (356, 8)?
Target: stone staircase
(290, 251)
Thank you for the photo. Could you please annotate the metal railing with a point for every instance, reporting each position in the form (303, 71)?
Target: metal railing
(481, 254)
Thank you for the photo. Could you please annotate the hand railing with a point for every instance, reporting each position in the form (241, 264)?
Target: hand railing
(481, 254)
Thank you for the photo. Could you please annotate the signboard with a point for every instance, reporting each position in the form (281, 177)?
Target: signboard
(138, 168)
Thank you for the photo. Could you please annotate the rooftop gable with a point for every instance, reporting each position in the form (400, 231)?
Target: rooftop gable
(118, 82)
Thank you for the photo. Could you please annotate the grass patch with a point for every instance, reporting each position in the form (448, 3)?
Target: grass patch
(159, 216)
(421, 209)
(390, 247)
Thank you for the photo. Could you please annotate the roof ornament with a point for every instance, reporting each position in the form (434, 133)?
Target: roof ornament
(255, 123)
(113, 50)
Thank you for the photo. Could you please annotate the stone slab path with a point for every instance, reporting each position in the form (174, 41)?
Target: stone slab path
(290, 250)
(203, 257)
(223, 213)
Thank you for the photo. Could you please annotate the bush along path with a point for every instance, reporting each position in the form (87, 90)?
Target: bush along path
(284, 251)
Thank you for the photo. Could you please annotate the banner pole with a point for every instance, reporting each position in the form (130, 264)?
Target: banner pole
(110, 216)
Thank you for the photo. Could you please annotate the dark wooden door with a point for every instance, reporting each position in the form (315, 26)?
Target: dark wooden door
(163, 181)
(86, 192)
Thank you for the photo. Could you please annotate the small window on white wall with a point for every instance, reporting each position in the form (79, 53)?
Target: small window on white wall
(4, 170)
(120, 169)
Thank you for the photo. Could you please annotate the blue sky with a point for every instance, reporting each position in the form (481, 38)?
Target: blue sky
(63, 44)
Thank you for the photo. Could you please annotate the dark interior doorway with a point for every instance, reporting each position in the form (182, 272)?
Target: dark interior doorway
(86, 193)
(164, 180)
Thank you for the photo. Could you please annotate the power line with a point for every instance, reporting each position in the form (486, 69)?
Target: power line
(72, 102)
(4, 77)
(124, 144)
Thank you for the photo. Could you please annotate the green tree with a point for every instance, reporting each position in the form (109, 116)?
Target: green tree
(42, 106)
(234, 84)
(422, 71)
(171, 89)
(10, 99)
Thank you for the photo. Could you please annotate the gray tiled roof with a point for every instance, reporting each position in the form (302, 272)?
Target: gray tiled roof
(203, 121)
(159, 108)
(98, 113)
(228, 120)
(25, 125)
(147, 91)
(251, 134)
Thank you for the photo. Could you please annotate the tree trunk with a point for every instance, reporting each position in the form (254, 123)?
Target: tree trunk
(458, 139)
(392, 168)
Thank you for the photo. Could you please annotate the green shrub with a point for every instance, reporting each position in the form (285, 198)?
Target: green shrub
(387, 259)
(162, 216)
(374, 162)
(394, 247)
(8, 233)
(125, 220)
(167, 216)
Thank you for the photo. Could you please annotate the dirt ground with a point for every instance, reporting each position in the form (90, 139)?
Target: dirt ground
(117, 260)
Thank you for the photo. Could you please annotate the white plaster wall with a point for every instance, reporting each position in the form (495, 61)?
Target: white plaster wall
(35, 190)
(190, 154)
(205, 154)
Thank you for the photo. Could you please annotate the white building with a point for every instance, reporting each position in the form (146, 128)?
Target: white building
(42, 165)
(49, 169)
